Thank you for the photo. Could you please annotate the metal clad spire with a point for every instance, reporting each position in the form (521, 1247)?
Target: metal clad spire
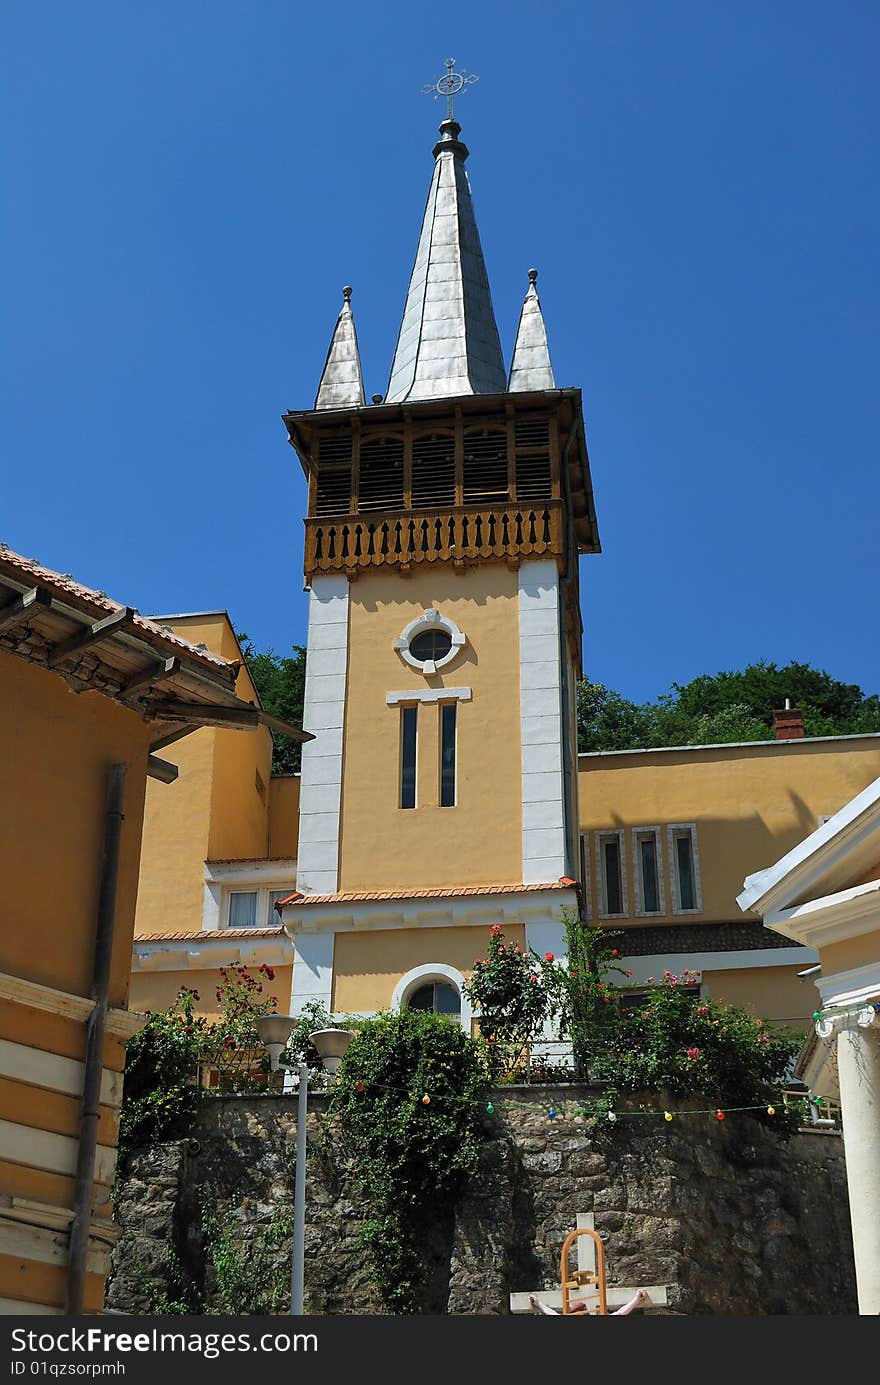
(530, 368)
(342, 384)
(448, 342)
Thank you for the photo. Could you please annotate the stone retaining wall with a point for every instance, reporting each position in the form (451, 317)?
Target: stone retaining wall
(732, 1218)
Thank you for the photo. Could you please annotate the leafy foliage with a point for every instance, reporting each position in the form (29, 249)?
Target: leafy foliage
(724, 707)
(510, 988)
(410, 1155)
(690, 1046)
(280, 681)
(255, 1279)
(589, 1001)
(161, 1091)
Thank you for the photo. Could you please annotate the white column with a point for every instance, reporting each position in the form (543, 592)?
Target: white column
(541, 730)
(858, 1065)
(312, 970)
(317, 867)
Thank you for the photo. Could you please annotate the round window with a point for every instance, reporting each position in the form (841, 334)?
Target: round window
(430, 645)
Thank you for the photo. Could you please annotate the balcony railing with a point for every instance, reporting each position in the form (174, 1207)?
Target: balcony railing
(456, 535)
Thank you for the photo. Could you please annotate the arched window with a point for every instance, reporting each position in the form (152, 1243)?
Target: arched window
(437, 988)
(438, 996)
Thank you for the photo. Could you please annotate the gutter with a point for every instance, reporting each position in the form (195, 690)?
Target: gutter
(91, 1098)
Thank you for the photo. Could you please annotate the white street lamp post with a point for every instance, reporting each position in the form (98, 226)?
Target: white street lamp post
(274, 1031)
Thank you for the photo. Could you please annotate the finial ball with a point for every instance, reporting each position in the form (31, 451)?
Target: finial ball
(346, 293)
(533, 276)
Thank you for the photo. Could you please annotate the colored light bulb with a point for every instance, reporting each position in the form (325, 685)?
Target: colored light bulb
(771, 1110)
(667, 1115)
(719, 1115)
(490, 1108)
(426, 1100)
(551, 1114)
(612, 1115)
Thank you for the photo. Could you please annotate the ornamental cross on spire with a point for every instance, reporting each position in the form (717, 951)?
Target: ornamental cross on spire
(450, 85)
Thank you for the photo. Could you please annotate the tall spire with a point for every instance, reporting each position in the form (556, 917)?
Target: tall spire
(342, 384)
(530, 368)
(448, 342)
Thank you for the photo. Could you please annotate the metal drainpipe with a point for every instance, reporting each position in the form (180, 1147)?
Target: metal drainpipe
(94, 1063)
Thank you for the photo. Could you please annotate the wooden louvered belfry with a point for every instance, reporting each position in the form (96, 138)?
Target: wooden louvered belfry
(396, 488)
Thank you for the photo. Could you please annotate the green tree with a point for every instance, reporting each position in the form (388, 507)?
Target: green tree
(607, 721)
(724, 707)
(281, 682)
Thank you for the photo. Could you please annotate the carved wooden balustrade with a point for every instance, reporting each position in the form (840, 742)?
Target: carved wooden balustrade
(459, 535)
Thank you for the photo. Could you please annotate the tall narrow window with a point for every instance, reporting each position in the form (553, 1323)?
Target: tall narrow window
(612, 891)
(648, 861)
(685, 868)
(685, 864)
(612, 876)
(408, 722)
(447, 754)
(648, 870)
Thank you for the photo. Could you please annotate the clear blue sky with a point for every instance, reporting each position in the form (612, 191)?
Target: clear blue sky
(190, 184)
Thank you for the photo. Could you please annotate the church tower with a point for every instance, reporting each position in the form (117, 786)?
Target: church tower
(444, 524)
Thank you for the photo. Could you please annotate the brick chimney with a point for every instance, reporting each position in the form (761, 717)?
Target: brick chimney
(788, 722)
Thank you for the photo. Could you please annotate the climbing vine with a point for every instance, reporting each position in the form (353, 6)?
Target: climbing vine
(409, 1100)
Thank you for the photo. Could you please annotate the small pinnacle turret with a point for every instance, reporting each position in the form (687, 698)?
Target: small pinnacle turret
(342, 384)
(530, 368)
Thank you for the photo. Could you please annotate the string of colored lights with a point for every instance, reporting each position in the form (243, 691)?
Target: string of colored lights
(602, 1111)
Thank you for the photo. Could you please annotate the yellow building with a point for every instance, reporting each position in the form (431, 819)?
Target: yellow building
(668, 835)
(442, 792)
(825, 894)
(90, 690)
(219, 850)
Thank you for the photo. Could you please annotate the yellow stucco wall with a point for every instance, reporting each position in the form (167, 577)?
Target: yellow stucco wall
(156, 990)
(854, 952)
(771, 993)
(212, 810)
(176, 823)
(751, 804)
(53, 784)
(479, 841)
(283, 815)
(368, 965)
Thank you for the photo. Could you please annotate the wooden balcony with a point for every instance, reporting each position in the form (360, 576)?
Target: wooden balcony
(460, 535)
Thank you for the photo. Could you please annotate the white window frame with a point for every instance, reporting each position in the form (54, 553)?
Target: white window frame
(429, 620)
(638, 835)
(264, 895)
(674, 830)
(223, 878)
(601, 838)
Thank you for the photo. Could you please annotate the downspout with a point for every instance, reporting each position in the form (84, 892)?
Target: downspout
(94, 1063)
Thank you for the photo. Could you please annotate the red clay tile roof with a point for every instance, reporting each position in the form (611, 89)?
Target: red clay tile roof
(198, 935)
(444, 892)
(63, 585)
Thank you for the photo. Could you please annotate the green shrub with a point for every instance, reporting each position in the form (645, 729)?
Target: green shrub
(412, 1155)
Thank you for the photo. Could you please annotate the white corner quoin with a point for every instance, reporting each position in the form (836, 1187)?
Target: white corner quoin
(324, 716)
(540, 683)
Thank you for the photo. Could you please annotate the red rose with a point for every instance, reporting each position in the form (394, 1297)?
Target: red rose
(548, 957)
